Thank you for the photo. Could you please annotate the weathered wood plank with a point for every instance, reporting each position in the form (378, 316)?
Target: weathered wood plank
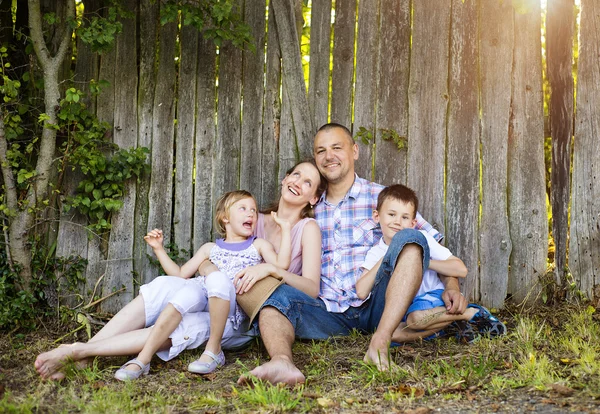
(462, 159)
(526, 176)
(365, 92)
(184, 139)
(342, 75)
(148, 21)
(226, 174)
(293, 75)
(160, 194)
(428, 103)
(72, 236)
(252, 111)
(318, 83)
(496, 50)
(392, 87)
(584, 240)
(560, 23)
(204, 138)
(271, 116)
(119, 269)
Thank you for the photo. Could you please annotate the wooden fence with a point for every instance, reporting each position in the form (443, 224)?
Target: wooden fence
(460, 81)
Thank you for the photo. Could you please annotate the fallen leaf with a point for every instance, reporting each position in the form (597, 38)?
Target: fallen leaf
(562, 390)
(325, 402)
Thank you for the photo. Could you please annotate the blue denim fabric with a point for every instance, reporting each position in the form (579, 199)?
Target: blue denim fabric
(310, 317)
(429, 300)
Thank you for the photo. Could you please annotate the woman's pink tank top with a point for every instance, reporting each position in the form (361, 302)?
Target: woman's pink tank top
(296, 263)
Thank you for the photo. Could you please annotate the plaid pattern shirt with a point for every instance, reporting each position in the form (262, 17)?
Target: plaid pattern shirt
(348, 232)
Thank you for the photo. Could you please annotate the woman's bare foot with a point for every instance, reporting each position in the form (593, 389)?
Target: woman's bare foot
(279, 370)
(48, 364)
(378, 353)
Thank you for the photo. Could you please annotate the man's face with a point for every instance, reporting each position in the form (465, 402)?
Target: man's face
(335, 153)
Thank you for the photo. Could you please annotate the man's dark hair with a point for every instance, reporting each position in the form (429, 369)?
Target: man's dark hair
(334, 125)
(401, 193)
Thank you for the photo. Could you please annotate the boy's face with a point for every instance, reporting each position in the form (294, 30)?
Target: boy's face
(241, 218)
(393, 216)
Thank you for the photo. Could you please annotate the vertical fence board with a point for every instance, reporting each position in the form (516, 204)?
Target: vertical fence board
(560, 23)
(428, 104)
(584, 240)
(72, 236)
(392, 84)
(148, 22)
(204, 139)
(226, 173)
(462, 160)
(526, 179)
(293, 76)
(160, 195)
(120, 248)
(365, 92)
(184, 140)
(320, 36)
(271, 115)
(342, 75)
(252, 111)
(496, 51)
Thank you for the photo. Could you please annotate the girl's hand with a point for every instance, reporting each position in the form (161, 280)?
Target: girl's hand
(154, 238)
(246, 278)
(283, 223)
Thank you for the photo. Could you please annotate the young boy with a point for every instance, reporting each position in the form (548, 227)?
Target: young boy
(396, 210)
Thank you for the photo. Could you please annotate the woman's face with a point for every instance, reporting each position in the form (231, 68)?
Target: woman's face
(301, 185)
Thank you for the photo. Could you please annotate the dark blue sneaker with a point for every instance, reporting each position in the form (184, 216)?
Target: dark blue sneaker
(483, 323)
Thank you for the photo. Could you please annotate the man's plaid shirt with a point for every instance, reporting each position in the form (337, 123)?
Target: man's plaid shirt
(348, 232)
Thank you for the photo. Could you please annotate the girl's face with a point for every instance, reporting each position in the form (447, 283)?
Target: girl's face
(300, 186)
(241, 219)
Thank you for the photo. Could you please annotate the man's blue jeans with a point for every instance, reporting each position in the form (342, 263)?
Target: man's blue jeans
(310, 317)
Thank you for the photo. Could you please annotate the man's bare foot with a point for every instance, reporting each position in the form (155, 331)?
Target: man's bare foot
(279, 370)
(378, 353)
(48, 364)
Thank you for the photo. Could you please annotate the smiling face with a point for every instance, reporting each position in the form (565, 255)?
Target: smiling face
(335, 152)
(240, 220)
(301, 184)
(394, 215)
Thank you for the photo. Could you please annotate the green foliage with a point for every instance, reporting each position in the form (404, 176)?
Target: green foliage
(215, 19)
(99, 33)
(364, 135)
(391, 135)
(19, 309)
(98, 194)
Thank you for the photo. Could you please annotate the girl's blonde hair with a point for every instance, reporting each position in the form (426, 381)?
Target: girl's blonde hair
(224, 204)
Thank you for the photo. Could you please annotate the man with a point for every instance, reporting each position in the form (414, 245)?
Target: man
(345, 217)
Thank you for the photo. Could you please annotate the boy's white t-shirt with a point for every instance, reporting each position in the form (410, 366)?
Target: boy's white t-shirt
(431, 280)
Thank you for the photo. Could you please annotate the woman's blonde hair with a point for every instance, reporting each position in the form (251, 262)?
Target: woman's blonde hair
(224, 204)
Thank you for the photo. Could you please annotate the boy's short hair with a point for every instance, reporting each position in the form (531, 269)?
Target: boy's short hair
(401, 193)
(224, 204)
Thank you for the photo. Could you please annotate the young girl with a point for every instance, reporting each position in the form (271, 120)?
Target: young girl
(235, 218)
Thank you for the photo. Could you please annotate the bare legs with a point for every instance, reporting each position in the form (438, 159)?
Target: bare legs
(131, 318)
(402, 288)
(278, 336)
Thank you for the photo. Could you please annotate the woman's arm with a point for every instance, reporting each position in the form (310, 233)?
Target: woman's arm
(309, 282)
(266, 250)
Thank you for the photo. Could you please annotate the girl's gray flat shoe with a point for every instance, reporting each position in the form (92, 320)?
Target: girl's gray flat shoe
(198, 367)
(123, 374)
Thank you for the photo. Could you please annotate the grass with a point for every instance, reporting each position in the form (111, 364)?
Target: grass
(550, 358)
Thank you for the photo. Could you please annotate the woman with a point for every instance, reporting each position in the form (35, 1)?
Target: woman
(127, 332)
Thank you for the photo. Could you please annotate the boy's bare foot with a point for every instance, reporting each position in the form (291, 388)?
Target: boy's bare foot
(378, 352)
(279, 370)
(48, 364)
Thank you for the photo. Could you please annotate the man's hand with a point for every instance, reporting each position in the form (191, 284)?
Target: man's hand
(455, 302)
